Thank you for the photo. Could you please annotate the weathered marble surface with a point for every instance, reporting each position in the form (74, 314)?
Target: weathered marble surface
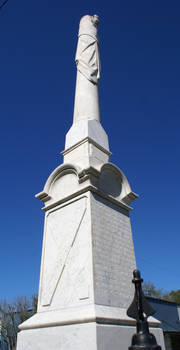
(88, 254)
(113, 254)
(86, 104)
(87, 129)
(62, 229)
(90, 336)
(89, 312)
(87, 54)
(86, 119)
(68, 180)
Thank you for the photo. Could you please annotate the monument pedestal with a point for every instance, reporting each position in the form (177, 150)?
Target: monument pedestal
(91, 327)
(89, 336)
(87, 263)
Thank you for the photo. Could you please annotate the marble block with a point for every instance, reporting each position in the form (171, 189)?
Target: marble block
(85, 128)
(89, 336)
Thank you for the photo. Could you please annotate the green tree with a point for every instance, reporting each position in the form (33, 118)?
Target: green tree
(174, 296)
(150, 290)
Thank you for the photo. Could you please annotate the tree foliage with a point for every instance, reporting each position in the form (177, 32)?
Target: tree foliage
(174, 296)
(14, 313)
(149, 289)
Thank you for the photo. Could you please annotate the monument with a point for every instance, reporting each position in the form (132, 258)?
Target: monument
(88, 254)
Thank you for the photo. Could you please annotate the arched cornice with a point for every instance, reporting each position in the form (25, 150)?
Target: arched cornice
(61, 170)
(126, 195)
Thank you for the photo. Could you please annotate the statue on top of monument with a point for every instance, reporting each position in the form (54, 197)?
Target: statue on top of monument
(87, 54)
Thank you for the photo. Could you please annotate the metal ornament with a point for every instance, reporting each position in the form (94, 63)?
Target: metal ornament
(140, 310)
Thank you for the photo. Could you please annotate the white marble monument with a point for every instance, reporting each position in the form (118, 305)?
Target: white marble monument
(88, 254)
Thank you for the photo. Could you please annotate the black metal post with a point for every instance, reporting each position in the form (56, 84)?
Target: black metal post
(140, 309)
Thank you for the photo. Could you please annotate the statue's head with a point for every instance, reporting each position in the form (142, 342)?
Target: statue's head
(95, 20)
(88, 25)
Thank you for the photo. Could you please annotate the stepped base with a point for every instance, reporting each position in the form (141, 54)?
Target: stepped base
(92, 327)
(89, 336)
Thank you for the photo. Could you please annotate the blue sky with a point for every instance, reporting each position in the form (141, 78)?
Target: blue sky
(140, 107)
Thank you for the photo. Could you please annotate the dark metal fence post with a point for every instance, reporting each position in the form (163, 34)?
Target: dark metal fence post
(140, 309)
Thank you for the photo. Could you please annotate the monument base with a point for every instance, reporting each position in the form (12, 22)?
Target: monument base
(89, 336)
(92, 327)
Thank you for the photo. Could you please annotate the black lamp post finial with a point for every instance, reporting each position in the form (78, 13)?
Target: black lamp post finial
(140, 310)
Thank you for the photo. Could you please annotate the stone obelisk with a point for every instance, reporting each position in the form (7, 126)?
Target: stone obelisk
(88, 254)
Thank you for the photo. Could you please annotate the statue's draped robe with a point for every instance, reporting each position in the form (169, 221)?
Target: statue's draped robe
(87, 57)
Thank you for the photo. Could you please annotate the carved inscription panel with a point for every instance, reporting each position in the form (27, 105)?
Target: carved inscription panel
(113, 256)
(61, 231)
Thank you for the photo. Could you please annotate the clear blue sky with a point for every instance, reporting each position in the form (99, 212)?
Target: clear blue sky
(140, 109)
